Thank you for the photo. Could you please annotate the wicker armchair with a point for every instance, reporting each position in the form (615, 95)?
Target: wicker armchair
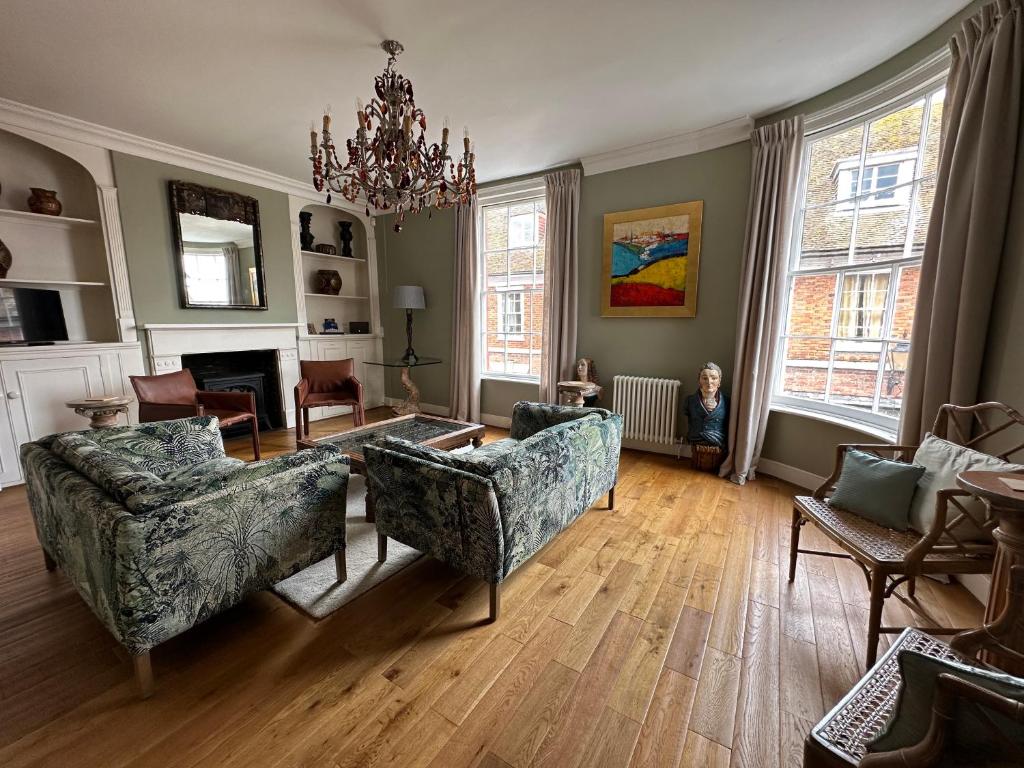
(841, 738)
(890, 558)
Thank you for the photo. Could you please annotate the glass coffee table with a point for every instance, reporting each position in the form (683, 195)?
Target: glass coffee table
(412, 401)
(434, 431)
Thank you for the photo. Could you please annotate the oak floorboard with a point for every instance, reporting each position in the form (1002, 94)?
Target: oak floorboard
(412, 673)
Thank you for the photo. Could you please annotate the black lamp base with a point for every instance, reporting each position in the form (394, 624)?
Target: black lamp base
(410, 353)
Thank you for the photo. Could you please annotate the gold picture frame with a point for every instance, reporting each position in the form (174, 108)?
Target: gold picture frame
(652, 261)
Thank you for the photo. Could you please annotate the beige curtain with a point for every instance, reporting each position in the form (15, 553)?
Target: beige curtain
(975, 200)
(776, 168)
(561, 276)
(464, 392)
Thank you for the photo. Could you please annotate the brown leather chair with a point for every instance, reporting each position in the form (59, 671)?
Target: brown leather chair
(175, 396)
(326, 383)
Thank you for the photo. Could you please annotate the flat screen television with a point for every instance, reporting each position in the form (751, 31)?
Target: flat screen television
(31, 316)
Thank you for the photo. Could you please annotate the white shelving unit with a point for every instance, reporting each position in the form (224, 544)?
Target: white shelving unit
(44, 220)
(57, 285)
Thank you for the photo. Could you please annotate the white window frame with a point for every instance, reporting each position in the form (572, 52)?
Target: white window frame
(926, 79)
(505, 194)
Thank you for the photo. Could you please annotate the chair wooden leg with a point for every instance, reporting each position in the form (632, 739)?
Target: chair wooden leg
(911, 586)
(143, 674)
(51, 564)
(794, 543)
(340, 566)
(305, 421)
(611, 497)
(878, 580)
(298, 424)
(255, 439)
(360, 415)
(495, 601)
(382, 548)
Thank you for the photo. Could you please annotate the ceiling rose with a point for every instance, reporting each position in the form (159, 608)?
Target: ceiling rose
(387, 167)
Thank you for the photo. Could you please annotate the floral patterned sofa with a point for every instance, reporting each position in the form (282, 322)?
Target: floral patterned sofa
(159, 530)
(488, 511)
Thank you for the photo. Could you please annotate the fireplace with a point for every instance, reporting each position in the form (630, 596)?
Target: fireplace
(252, 371)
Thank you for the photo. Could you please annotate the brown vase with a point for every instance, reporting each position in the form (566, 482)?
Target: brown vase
(328, 281)
(44, 201)
(6, 259)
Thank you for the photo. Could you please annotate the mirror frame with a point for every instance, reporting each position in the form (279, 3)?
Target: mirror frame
(187, 197)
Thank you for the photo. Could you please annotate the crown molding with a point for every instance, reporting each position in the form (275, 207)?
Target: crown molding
(689, 143)
(24, 117)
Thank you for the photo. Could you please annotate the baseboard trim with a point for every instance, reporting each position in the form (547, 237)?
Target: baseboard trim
(790, 474)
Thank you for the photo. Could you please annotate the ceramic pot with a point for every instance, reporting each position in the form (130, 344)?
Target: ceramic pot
(346, 238)
(6, 259)
(44, 201)
(328, 281)
(305, 236)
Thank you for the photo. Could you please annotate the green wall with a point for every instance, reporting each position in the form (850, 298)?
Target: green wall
(151, 252)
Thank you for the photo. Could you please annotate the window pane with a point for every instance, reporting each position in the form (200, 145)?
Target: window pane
(894, 376)
(810, 306)
(804, 377)
(897, 132)
(862, 306)
(520, 267)
(826, 158)
(906, 300)
(882, 231)
(924, 196)
(930, 164)
(825, 239)
(854, 374)
(495, 227)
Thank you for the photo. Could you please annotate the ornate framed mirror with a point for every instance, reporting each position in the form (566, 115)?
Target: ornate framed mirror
(220, 253)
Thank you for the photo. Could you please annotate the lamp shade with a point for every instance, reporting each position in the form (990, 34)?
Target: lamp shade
(408, 297)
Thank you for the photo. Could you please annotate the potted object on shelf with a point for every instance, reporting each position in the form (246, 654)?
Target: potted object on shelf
(305, 236)
(328, 281)
(6, 259)
(346, 238)
(44, 201)
(326, 249)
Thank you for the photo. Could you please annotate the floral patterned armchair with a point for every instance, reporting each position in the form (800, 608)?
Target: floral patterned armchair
(159, 530)
(488, 511)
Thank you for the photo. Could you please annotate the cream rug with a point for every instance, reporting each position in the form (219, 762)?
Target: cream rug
(316, 592)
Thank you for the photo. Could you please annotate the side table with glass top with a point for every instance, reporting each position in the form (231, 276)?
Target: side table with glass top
(412, 400)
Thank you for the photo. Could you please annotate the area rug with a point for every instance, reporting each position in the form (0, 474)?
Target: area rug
(316, 592)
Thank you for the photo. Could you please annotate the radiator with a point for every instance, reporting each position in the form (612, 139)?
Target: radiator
(648, 408)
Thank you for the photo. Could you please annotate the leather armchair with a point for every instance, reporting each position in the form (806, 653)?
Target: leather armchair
(175, 396)
(327, 383)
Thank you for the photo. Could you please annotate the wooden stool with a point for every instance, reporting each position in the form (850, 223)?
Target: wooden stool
(576, 392)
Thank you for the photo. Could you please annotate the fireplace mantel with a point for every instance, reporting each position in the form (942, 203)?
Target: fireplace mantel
(167, 342)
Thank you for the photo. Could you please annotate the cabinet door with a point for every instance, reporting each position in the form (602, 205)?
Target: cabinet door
(10, 467)
(38, 388)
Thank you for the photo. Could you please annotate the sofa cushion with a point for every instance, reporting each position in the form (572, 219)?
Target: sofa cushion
(115, 473)
(218, 468)
(482, 461)
(912, 713)
(877, 489)
(943, 461)
(530, 418)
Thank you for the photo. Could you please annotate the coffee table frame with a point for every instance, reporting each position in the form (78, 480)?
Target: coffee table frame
(469, 433)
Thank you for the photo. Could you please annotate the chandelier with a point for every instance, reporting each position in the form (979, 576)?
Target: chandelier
(386, 165)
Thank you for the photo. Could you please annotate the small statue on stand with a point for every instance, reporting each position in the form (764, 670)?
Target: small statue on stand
(707, 414)
(585, 388)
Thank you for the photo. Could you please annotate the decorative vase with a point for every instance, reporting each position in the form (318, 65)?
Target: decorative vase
(6, 259)
(305, 236)
(346, 238)
(44, 201)
(328, 281)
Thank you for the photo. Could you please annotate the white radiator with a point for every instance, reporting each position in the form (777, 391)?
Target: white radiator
(648, 407)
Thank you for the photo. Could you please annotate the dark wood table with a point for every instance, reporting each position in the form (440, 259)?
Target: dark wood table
(434, 431)
(1008, 506)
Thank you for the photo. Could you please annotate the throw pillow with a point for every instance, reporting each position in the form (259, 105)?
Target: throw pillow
(912, 713)
(877, 489)
(942, 462)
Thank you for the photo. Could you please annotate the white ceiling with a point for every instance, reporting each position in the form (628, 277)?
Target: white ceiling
(538, 83)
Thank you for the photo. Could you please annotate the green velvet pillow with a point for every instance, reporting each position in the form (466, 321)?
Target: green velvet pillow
(967, 736)
(877, 489)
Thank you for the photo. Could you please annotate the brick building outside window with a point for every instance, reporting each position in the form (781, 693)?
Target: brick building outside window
(865, 195)
(512, 252)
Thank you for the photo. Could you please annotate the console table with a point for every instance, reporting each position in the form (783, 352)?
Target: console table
(412, 400)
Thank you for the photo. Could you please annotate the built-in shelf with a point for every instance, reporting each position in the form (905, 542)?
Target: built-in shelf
(333, 256)
(44, 220)
(339, 296)
(56, 285)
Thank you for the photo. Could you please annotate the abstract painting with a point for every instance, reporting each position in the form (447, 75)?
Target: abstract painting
(651, 259)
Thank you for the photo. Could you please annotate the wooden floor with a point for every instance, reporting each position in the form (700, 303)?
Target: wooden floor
(661, 634)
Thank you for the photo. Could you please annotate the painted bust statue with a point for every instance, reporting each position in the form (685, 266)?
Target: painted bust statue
(707, 409)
